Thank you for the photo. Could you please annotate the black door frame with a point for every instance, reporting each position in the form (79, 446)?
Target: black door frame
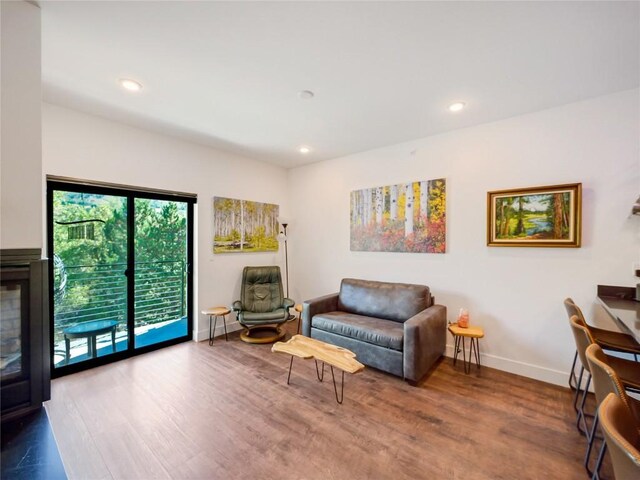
(130, 194)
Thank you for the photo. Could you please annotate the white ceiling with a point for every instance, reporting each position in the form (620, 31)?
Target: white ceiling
(227, 74)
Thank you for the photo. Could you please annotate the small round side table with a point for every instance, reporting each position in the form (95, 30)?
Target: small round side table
(474, 334)
(298, 308)
(215, 312)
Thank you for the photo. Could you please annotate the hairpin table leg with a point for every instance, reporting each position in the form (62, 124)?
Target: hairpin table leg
(226, 337)
(464, 357)
(212, 332)
(478, 352)
(319, 374)
(290, 365)
(335, 388)
(456, 349)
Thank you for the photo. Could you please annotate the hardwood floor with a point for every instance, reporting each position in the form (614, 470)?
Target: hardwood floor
(195, 411)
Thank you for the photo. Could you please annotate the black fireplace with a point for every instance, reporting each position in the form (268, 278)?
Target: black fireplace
(24, 332)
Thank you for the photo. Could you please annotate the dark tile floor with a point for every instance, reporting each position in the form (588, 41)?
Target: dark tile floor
(29, 450)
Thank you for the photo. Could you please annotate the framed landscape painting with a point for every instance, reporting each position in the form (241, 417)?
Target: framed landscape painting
(535, 217)
(242, 226)
(407, 217)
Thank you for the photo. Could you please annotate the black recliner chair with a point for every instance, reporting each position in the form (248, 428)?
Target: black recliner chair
(262, 307)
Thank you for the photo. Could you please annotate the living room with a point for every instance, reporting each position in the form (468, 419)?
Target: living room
(229, 93)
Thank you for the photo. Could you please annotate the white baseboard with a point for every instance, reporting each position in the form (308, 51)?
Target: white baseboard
(203, 334)
(529, 370)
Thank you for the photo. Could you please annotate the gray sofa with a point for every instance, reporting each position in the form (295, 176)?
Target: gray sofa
(395, 327)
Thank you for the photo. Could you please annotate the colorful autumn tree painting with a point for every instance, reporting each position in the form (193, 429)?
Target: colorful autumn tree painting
(400, 218)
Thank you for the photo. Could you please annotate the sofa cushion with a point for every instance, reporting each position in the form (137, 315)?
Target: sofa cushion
(391, 301)
(376, 331)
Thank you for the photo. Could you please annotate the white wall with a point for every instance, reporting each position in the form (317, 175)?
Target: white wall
(514, 293)
(21, 193)
(88, 147)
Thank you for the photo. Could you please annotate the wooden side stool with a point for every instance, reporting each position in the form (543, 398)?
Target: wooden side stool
(298, 308)
(474, 334)
(215, 312)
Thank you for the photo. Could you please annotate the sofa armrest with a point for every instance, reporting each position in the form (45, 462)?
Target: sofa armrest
(237, 305)
(288, 303)
(327, 303)
(425, 336)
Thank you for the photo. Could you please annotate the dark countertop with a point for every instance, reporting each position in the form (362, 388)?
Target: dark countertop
(620, 304)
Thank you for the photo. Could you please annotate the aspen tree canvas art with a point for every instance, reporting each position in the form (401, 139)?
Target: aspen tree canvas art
(244, 226)
(407, 217)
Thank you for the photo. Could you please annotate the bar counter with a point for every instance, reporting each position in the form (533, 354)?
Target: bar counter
(620, 304)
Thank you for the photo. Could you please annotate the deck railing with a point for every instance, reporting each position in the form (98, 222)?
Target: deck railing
(99, 292)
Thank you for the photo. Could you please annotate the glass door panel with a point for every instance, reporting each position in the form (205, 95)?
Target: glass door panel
(89, 276)
(161, 259)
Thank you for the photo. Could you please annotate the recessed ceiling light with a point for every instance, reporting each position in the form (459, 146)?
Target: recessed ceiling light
(130, 85)
(456, 107)
(304, 149)
(306, 94)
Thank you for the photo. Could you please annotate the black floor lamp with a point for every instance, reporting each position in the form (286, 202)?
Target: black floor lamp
(283, 237)
(286, 255)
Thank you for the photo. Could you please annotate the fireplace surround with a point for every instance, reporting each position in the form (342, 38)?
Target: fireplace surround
(24, 332)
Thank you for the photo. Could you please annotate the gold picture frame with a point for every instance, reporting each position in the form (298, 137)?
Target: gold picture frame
(547, 216)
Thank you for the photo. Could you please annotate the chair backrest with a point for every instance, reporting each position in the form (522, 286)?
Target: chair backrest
(582, 337)
(623, 439)
(391, 301)
(605, 379)
(573, 309)
(261, 289)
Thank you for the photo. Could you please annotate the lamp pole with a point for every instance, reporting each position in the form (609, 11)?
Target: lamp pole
(286, 263)
(286, 257)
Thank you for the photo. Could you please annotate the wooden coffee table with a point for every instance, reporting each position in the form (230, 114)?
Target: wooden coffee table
(305, 347)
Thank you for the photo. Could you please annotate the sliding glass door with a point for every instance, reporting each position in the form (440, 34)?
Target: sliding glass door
(120, 273)
(161, 271)
(89, 276)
